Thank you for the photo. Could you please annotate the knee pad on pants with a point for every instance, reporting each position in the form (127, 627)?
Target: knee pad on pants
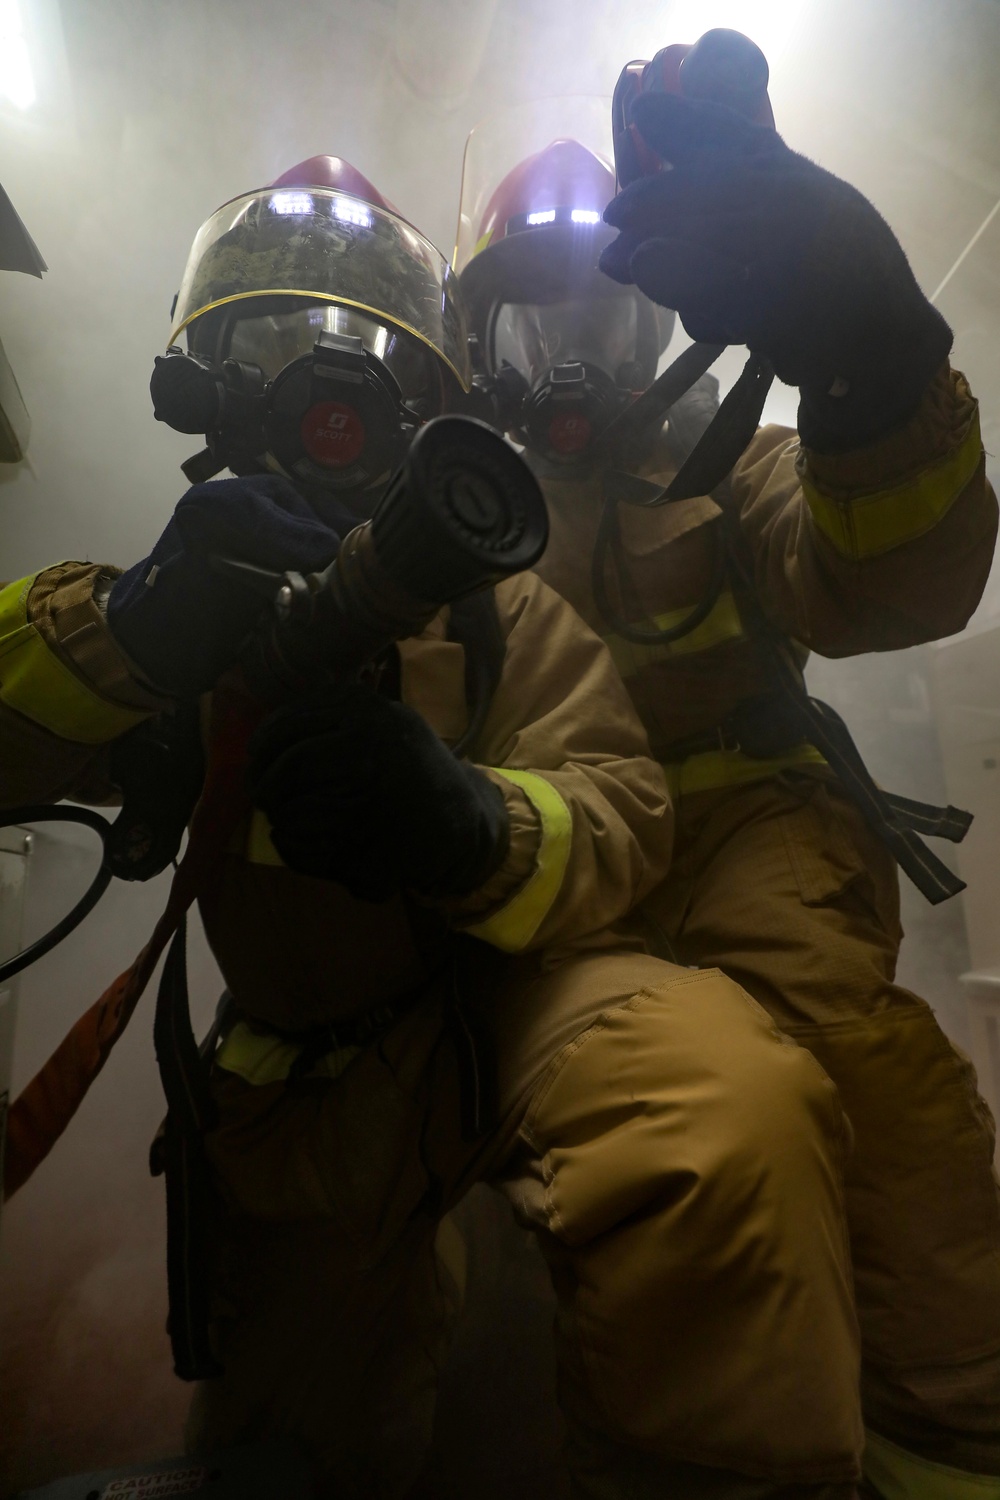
(693, 1166)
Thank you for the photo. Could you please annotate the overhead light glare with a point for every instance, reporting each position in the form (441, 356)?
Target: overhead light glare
(585, 216)
(17, 80)
(770, 23)
(350, 211)
(543, 216)
(292, 203)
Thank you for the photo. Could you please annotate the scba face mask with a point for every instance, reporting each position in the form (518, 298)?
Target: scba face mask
(564, 370)
(322, 331)
(561, 348)
(324, 394)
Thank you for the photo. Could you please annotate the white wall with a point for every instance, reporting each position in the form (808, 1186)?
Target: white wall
(151, 114)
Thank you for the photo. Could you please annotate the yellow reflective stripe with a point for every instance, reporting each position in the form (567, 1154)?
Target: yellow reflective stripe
(719, 768)
(35, 683)
(260, 1058)
(260, 848)
(870, 524)
(722, 623)
(514, 925)
(481, 243)
(898, 1474)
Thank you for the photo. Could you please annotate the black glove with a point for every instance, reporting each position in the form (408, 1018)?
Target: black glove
(184, 624)
(359, 789)
(753, 244)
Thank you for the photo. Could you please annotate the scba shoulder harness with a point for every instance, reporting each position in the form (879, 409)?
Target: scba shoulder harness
(707, 440)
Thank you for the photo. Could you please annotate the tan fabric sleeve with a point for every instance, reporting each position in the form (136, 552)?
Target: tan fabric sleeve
(66, 691)
(591, 824)
(878, 549)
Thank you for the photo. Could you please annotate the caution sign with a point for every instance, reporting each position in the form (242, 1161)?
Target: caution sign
(181, 1481)
(255, 1471)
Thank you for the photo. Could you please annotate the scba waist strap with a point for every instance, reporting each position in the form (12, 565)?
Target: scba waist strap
(765, 729)
(761, 728)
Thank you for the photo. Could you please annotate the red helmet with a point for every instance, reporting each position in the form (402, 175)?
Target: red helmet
(317, 272)
(559, 195)
(283, 245)
(564, 184)
(333, 172)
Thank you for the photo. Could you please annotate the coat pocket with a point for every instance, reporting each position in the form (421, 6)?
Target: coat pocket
(835, 857)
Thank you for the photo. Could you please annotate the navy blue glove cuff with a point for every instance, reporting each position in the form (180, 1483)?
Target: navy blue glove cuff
(178, 620)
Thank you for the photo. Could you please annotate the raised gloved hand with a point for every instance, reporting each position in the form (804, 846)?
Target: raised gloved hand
(182, 623)
(360, 790)
(753, 244)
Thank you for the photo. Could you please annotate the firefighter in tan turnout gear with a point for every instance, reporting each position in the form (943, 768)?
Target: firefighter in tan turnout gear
(396, 924)
(872, 528)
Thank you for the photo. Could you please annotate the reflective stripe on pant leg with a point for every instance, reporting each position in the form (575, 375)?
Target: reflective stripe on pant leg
(692, 1164)
(898, 1474)
(603, 1470)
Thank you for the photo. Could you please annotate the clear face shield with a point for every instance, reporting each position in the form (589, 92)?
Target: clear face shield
(615, 334)
(322, 332)
(273, 340)
(566, 347)
(577, 364)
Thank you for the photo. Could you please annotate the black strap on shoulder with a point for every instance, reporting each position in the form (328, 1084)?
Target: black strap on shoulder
(729, 433)
(474, 622)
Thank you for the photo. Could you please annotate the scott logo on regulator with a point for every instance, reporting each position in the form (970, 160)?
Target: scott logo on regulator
(332, 434)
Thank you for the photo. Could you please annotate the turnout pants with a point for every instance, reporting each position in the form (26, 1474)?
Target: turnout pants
(783, 884)
(681, 1162)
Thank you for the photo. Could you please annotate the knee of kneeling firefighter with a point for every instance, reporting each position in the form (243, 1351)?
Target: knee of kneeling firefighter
(693, 1160)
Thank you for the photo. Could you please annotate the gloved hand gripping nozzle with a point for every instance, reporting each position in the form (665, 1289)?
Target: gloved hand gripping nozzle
(462, 513)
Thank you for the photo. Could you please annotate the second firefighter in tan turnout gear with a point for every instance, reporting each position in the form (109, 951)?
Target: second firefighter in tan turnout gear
(776, 877)
(680, 1160)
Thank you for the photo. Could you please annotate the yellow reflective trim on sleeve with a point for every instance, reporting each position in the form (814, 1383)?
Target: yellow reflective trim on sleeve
(868, 525)
(722, 623)
(261, 1058)
(35, 683)
(514, 925)
(898, 1474)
